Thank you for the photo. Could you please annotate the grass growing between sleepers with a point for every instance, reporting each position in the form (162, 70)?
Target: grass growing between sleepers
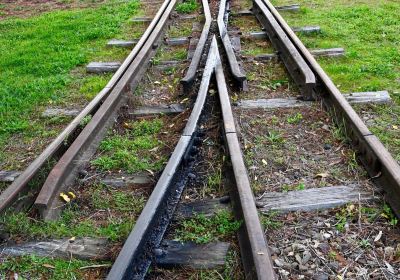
(132, 151)
(38, 55)
(31, 267)
(369, 32)
(201, 229)
(187, 7)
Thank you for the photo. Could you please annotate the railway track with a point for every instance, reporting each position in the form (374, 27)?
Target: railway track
(209, 115)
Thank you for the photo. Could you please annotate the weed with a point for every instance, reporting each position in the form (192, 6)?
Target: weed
(275, 137)
(343, 215)
(273, 84)
(364, 243)
(214, 180)
(300, 186)
(117, 200)
(180, 54)
(332, 255)
(85, 120)
(269, 221)
(33, 267)
(187, 7)
(387, 213)
(202, 229)
(132, 151)
(294, 119)
(20, 224)
(352, 164)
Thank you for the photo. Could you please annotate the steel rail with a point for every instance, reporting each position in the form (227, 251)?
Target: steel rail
(58, 146)
(84, 146)
(254, 250)
(190, 76)
(237, 74)
(135, 256)
(294, 62)
(379, 163)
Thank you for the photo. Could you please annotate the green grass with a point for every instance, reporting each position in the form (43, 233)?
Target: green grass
(38, 54)
(132, 151)
(201, 229)
(269, 220)
(369, 32)
(31, 267)
(187, 7)
(21, 225)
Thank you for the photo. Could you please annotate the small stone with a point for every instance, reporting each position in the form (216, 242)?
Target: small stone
(290, 254)
(324, 247)
(327, 235)
(298, 258)
(294, 265)
(325, 127)
(287, 250)
(327, 146)
(274, 250)
(303, 267)
(278, 262)
(283, 272)
(334, 266)
(298, 247)
(320, 276)
(306, 257)
(191, 176)
(287, 265)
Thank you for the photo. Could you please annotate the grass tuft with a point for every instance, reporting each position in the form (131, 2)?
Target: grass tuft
(187, 7)
(201, 229)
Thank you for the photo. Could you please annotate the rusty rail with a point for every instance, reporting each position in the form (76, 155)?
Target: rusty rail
(190, 76)
(237, 73)
(294, 62)
(255, 254)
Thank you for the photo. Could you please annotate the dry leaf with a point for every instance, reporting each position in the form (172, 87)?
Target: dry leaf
(264, 162)
(321, 175)
(46, 265)
(184, 100)
(72, 239)
(378, 236)
(389, 267)
(151, 172)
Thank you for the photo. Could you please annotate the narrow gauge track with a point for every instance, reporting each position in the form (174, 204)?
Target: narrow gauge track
(139, 249)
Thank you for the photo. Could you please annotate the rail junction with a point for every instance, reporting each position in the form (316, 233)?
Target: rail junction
(214, 72)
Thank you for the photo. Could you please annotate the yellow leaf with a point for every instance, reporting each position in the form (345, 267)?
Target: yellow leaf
(184, 100)
(65, 197)
(71, 195)
(72, 239)
(395, 127)
(264, 162)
